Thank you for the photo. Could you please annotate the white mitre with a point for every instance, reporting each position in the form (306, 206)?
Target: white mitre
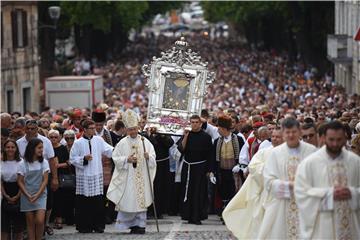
(130, 119)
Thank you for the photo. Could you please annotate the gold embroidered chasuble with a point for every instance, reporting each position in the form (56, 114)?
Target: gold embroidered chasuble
(280, 219)
(321, 217)
(129, 188)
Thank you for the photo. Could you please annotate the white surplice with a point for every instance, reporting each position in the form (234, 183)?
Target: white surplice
(244, 213)
(129, 188)
(89, 177)
(321, 217)
(280, 219)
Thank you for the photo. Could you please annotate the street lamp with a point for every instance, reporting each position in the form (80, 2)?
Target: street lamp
(54, 13)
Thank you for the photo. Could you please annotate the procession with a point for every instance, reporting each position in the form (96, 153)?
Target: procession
(187, 133)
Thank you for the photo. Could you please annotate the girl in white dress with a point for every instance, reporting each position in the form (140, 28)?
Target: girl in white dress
(32, 180)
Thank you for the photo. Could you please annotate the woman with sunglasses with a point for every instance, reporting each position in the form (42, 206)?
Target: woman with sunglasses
(69, 136)
(32, 179)
(63, 199)
(10, 207)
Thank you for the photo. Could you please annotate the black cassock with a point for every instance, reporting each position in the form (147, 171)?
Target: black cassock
(162, 144)
(197, 156)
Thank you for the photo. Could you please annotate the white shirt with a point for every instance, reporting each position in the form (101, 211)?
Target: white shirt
(48, 151)
(242, 136)
(36, 165)
(227, 139)
(9, 170)
(212, 131)
(63, 142)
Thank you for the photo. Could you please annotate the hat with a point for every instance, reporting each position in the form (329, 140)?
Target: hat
(224, 121)
(75, 114)
(258, 124)
(103, 106)
(268, 115)
(98, 116)
(130, 119)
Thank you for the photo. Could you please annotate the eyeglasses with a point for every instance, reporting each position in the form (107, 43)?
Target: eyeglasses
(311, 135)
(69, 138)
(31, 121)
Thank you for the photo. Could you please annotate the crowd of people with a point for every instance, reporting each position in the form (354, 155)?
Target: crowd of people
(245, 79)
(75, 166)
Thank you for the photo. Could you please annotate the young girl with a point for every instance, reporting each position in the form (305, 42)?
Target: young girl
(32, 179)
(10, 211)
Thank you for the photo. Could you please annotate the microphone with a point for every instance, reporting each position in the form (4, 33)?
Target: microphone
(134, 164)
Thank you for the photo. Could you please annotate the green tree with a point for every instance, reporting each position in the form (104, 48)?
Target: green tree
(299, 27)
(103, 26)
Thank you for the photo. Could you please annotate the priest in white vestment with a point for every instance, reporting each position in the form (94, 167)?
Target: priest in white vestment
(130, 189)
(244, 213)
(327, 190)
(281, 214)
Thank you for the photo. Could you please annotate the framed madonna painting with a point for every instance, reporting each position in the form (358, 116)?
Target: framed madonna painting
(177, 83)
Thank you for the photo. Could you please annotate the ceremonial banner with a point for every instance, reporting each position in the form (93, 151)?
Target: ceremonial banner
(177, 83)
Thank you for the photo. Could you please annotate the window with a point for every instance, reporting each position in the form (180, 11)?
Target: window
(10, 100)
(19, 28)
(26, 99)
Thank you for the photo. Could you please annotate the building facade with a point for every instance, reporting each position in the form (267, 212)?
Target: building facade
(20, 89)
(343, 49)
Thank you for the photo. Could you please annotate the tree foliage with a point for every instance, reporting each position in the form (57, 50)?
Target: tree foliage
(101, 14)
(102, 26)
(299, 27)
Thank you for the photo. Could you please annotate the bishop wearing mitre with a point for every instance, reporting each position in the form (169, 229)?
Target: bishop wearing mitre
(130, 189)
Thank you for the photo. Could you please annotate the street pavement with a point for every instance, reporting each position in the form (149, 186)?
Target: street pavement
(170, 228)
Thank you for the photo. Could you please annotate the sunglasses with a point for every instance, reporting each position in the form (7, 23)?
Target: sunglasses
(69, 138)
(31, 121)
(53, 136)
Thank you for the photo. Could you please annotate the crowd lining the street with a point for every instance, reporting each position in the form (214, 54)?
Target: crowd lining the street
(256, 89)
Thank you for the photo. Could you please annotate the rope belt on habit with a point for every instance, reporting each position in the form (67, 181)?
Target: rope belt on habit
(188, 176)
(161, 160)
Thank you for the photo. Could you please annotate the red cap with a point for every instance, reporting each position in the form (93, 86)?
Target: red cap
(77, 113)
(258, 124)
(268, 115)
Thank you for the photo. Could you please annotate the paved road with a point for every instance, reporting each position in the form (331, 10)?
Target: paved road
(170, 228)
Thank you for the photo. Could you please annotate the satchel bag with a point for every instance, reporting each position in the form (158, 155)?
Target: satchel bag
(67, 180)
